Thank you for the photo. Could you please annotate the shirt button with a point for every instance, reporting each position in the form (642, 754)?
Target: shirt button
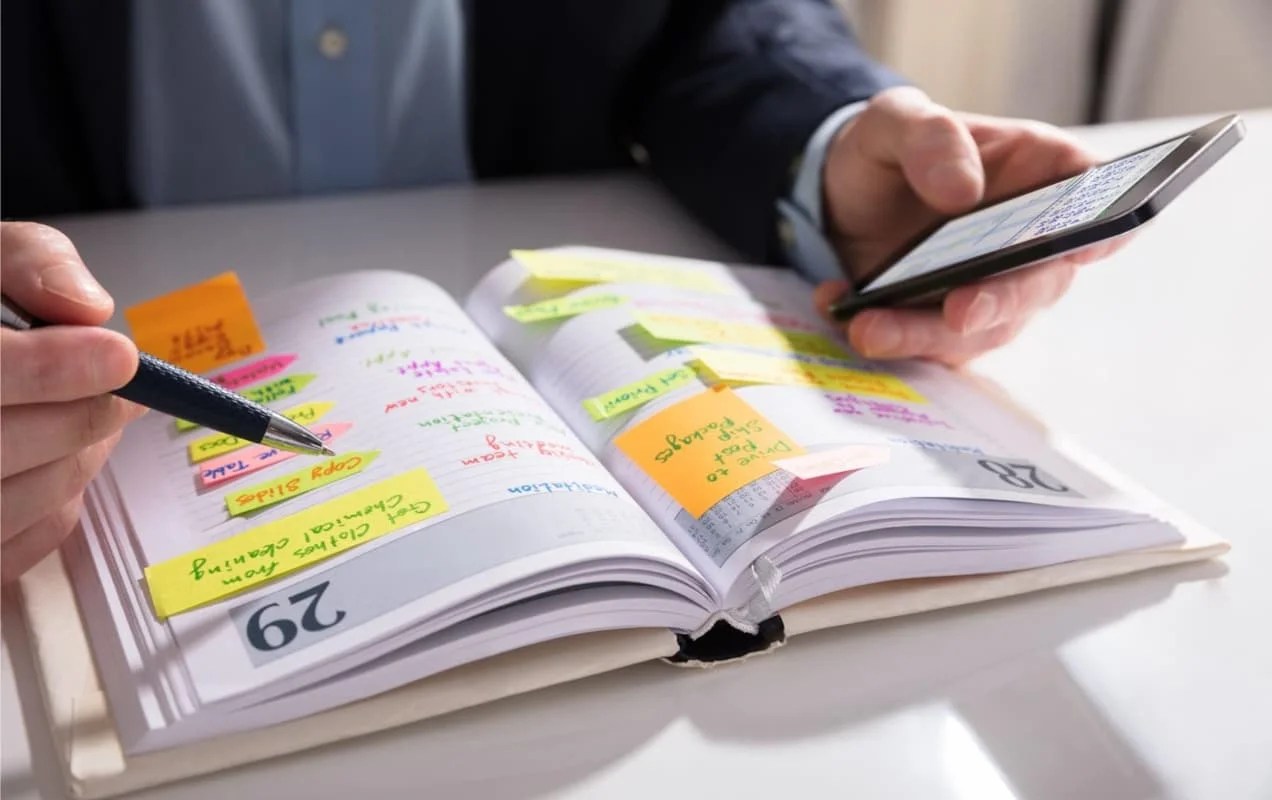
(333, 43)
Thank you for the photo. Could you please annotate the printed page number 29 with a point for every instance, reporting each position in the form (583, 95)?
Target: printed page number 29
(1022, 476)
(278, 633)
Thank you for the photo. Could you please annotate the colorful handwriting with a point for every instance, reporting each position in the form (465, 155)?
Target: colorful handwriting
(498, 416)
(258, 457)
(278, 548)
(737, 367)
(576, 268)
(638, 393)
(941, 447)
(385, 357)
(371, 309)
(858, 406)
(562, 307)
(199, 327)
(678, 328)
(362, 330)
(834, 461)
(511, 449)
(561, 486)
(704, 448)
(293, 484)
(217, 444)
(433, 368)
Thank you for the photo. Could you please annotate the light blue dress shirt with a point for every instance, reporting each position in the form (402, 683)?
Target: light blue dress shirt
(240, 99)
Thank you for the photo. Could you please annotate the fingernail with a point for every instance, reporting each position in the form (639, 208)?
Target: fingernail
(982, 314)
(72, 283)
(882, 337)
(114, 365)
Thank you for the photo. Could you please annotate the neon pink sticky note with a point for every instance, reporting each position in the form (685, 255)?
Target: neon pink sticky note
(846, 458)
(258, 457)
(255, 372)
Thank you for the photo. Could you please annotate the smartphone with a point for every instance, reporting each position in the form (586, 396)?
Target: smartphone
(1105, 201)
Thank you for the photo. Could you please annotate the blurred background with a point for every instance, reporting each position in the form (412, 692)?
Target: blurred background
(1073, 62)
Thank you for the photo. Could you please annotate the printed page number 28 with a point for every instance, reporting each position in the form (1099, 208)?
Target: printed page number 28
(1022, 476)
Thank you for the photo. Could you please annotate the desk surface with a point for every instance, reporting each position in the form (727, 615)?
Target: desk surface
(1148, 686)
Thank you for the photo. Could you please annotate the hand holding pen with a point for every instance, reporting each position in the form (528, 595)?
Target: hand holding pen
(58, 416)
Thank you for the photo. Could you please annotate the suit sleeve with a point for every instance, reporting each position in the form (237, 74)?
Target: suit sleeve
(728, 97)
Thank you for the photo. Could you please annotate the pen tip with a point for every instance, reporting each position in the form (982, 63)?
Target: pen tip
(327, 451)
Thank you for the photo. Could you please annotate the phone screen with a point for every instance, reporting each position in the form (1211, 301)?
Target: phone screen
(1071, 202)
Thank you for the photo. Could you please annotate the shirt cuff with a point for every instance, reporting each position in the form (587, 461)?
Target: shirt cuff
(800, 224)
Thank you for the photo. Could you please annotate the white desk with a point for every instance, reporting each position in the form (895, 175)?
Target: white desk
(1149, 686)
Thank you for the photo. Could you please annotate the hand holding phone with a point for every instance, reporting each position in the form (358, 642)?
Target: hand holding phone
(1105, 201)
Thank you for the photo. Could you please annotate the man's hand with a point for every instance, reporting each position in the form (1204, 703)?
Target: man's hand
(906, 162)
(57, 421)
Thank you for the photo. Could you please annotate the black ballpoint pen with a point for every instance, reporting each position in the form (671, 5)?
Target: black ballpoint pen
(171, 390)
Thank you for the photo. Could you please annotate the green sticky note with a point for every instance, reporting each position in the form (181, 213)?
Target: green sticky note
(638, 393)
(562, 307)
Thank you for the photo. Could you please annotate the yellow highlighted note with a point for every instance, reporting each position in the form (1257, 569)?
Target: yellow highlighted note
(564, 307)
(679, 328)
(293, 484)
(637, 394)
(575, 268)
(701, 450)
(278, 548)
(198, 327)
(218, 444)
(735, 367)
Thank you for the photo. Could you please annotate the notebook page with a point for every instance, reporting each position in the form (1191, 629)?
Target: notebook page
(399, 363)
(936, 443)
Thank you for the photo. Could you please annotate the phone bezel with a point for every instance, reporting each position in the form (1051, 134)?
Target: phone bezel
(1199, 149)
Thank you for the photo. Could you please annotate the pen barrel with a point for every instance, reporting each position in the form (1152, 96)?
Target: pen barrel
(172, 390)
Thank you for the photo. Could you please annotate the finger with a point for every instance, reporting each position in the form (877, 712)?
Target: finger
(30, 546)
(1005, 298)
(906, 333)
(826, 293)
(39, 434)
(903, 128)
(63, 362)
(1019, 154)
(29, 495)
(42, 272)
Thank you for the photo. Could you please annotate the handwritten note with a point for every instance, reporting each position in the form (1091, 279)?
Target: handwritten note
(680, 328)
(246, 375)
(735, 367)
(834, 461)
(575, 268)
(257, 457)
(636, 394)
(275, 549)
(217, 444)
(199, 327)
(701, 450)
(294, 484)
(563, 307)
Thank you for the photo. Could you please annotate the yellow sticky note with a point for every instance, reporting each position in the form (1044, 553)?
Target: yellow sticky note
(198, 327)
(571, 267)
(564, 307)
(270, 551)
(701, 450)
(217, 444)
(680, 328)
(735, 367)
(294, 484)
(638, 393)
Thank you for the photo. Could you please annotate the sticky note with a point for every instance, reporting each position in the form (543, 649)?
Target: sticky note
(680, 328)
(835, 460)
(575, 268)
(199, 327)
(563, 307)
(259, 456)
(294, 484)
(737, 367)
(246, 375)
(216, 444)
(638, 393)
(702, 449)
(270, 551)
(269, 393)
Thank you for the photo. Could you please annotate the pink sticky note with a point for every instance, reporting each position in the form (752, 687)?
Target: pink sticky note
(258, 457)
(845, 458)
(255, 372)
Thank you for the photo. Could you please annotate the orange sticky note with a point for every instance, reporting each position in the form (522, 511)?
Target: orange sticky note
(199, 327)
(701, 450)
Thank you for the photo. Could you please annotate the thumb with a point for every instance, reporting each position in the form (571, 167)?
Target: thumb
(41, 271)
(904, 129)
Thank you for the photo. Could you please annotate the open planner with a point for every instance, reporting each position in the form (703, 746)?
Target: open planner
(602, 457)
